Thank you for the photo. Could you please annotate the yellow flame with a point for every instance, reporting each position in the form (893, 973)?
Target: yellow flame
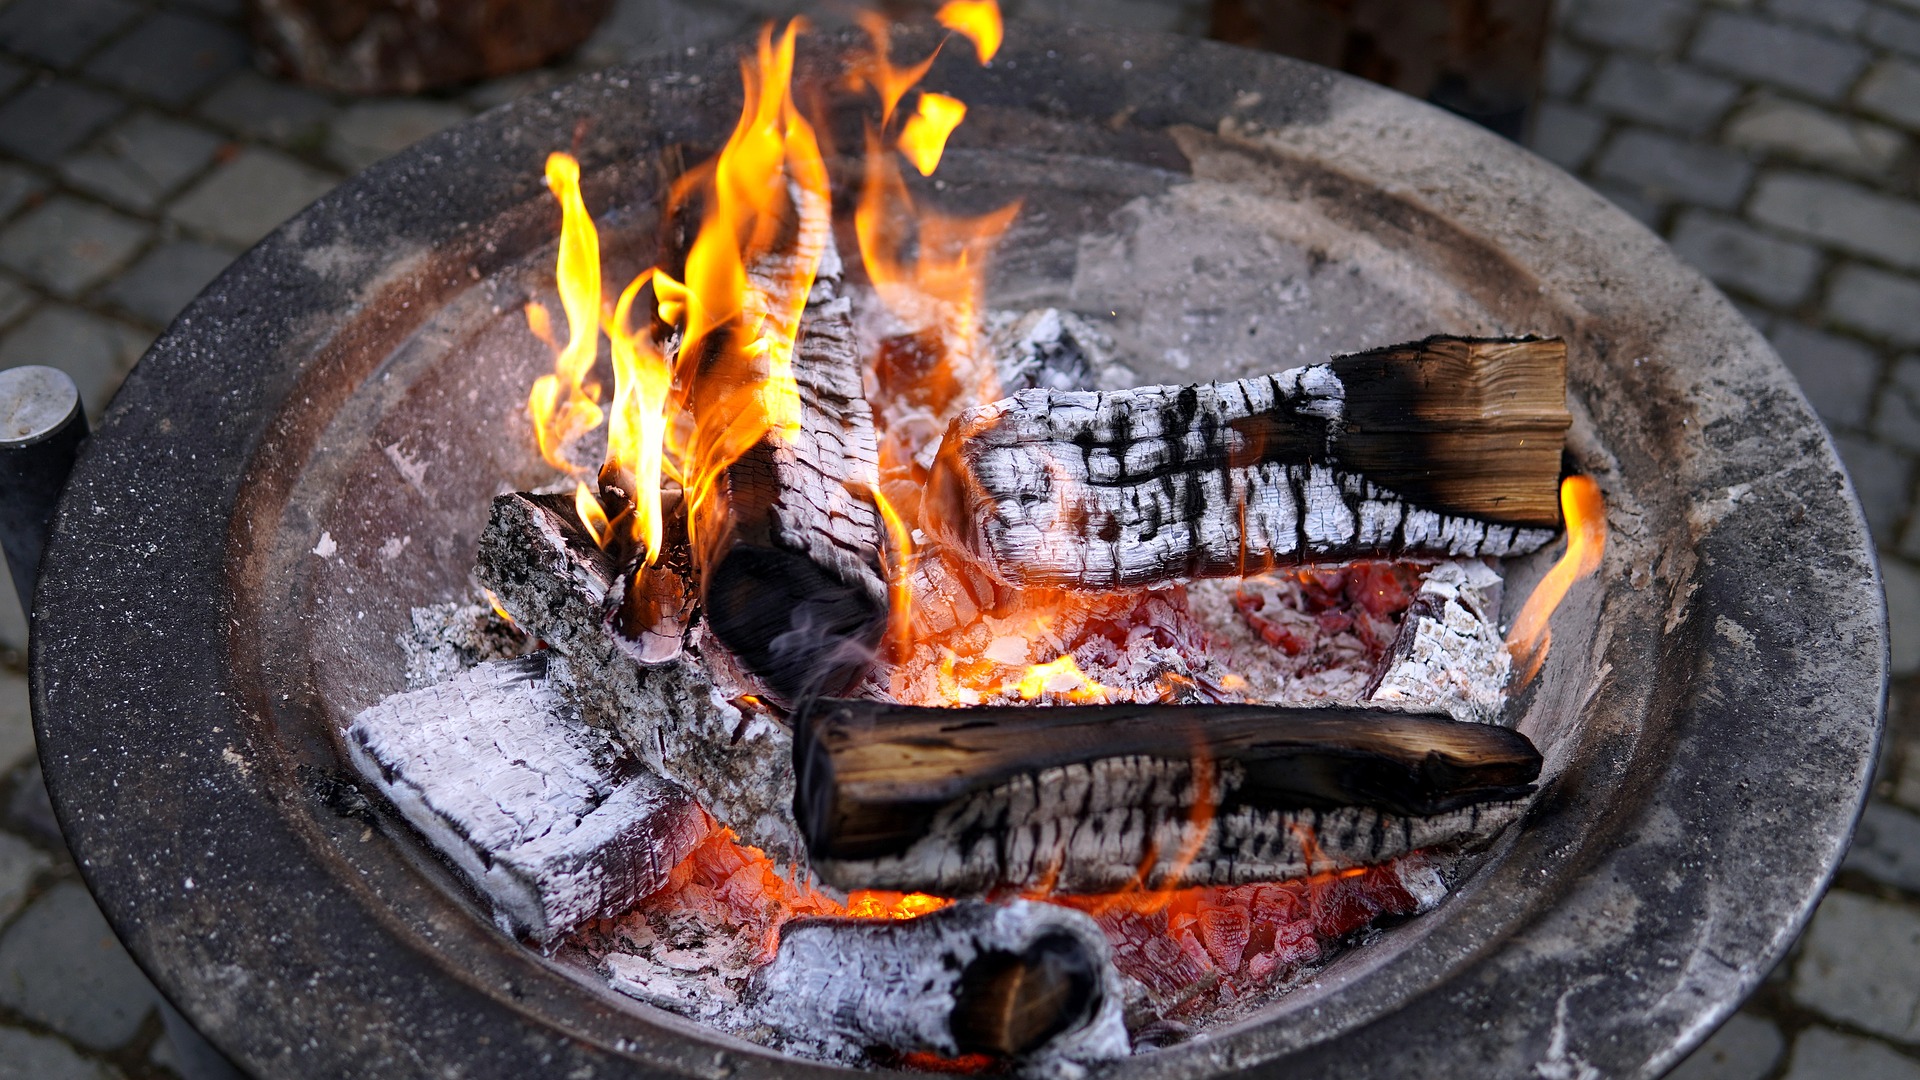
(880, 904)
(924, 138)
(977, 20)
(899, 585)
(592, 514)
(890, 82)
(637, 423)
(1062, 678)
(1585, 513)
(494, 602)
(562, 405)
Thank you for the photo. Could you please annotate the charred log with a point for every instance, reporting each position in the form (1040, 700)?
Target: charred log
(549, 575)
(1021, 980)
(1093, 798)
(1446, 447)
(538, 810)
(1449, 653)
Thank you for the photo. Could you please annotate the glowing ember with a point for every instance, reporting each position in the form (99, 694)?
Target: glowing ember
(1586, 517)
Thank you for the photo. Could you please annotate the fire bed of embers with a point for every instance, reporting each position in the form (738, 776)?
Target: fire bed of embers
(886, 679)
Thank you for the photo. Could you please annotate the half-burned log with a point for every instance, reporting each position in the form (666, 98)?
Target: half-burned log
(534, 807)
(1020, 980)
(791, 568)
(556, 583)
(1449, 653)
(1088, 798)
(1446, 447)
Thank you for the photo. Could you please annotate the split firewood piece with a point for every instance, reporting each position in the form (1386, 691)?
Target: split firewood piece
(1449, 653)
(791, 578)
(548, 573)
(1021, 980)
(1444, 447)
(538, 810)
(1092, 798)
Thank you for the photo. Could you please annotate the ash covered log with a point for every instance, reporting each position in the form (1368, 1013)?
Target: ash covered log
(1444, 447)
(548, 574)
(1091, 798)
(1449, 653)
(535, 808)
(1020, 980)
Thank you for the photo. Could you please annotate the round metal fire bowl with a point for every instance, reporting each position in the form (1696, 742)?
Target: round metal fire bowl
(309, 449)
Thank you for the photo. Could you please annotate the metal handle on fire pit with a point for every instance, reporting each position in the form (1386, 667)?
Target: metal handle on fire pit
(42, 425)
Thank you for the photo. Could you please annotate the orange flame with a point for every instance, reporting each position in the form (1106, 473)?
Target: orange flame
(637, 424)
(592, 514)
(890, 82)
(500, 612)
(1060, 678)
(924, 139)
(898, 559)
(1585, 513)
(977, 20)
(563, 406)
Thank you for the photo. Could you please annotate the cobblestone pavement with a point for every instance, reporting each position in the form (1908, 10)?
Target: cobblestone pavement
(1772, 141)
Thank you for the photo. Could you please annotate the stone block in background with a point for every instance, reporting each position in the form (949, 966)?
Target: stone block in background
(67, 246)
(140, 162)
(1643, 25)
(269, 110)
(1892, 90)
(61, 966)
(59, 32)
(96, 351)
(44, 121)
(1769, 52)
(1820, 1054)
(1665, 169)
(248, 197)
(1857, 966)
(371, 130)
(1876, 303)
(1661, 93)
(1745, 1048)
(1842, 214)
(1801, 132)
(1838, 374)
(170, 58)
(1739, 257)
(26, 1056)
(169, 276)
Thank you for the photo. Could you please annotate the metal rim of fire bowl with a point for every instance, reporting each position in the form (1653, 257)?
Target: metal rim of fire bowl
(1727, 711)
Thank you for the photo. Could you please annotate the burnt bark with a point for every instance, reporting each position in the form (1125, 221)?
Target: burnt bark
(1021, 980)
(1090, 798)
(1445, 447)
(543, 814)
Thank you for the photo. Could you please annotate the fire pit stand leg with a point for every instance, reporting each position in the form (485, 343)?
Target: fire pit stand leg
(41, 427)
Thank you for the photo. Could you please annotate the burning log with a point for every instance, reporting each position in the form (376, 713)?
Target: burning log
(543, 565)
(1019, 980)
(1445, 447)
(1095, 798)
(1449, 653)
(536, 809)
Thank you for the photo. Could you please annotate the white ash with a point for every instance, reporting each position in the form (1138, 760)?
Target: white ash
(1047, 348)
(1450, 653)
(443, 640)
(680, 960)
(537, 809)
(1336, 673)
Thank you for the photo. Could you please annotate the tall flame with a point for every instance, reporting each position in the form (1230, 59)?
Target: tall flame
(563, 406)
(637, 423)
(1586, 518)
(978, 20)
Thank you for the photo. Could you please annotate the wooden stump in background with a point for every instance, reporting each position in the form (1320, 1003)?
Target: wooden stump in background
(1479, 58)
(406, 46)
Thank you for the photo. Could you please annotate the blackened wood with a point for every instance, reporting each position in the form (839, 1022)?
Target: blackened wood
(1445, 447)
(541, 812)
(1018, 980)
(957, 801)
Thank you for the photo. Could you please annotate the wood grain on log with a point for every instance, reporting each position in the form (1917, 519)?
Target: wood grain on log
(1446, 447)
(549, 575)
(538, 810)
(1018, 980)
(1088, 798)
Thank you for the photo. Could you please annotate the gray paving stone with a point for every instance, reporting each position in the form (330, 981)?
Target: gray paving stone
(1841, 16)
(1652, 25)
(68, 246)
(45, 121)
(30, 811)
(1815, 136)
(15, 300)
(1902, 583)
(12, 76)
(373, 130)
(60, 965)
(1892, 89)
(1876, 303)
(58, 32)
(1882, 478)
(1893, 30)
(1661, 93)
(1857, 965)
(1898, 418)
(1838, 374)
(1886, 846)
(160, 284)
(1567, 67)
(1743, 258)
(13, 623)
(244, 199)
(262, 108)
(224, 9)
(16, 721)
(17, 185)
(1663, 168)
(20, 864)
(1766, 51)
(1820, 1054)
(1745, 1048)
(170, 57)
(1633, 201)
(1846, 215)
(1906, 787)
(97, 352)
(1566, 134)
(26, 1056)
(632, 31)
(142, 161)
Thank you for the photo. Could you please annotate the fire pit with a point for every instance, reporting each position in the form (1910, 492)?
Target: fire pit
(308, 455)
